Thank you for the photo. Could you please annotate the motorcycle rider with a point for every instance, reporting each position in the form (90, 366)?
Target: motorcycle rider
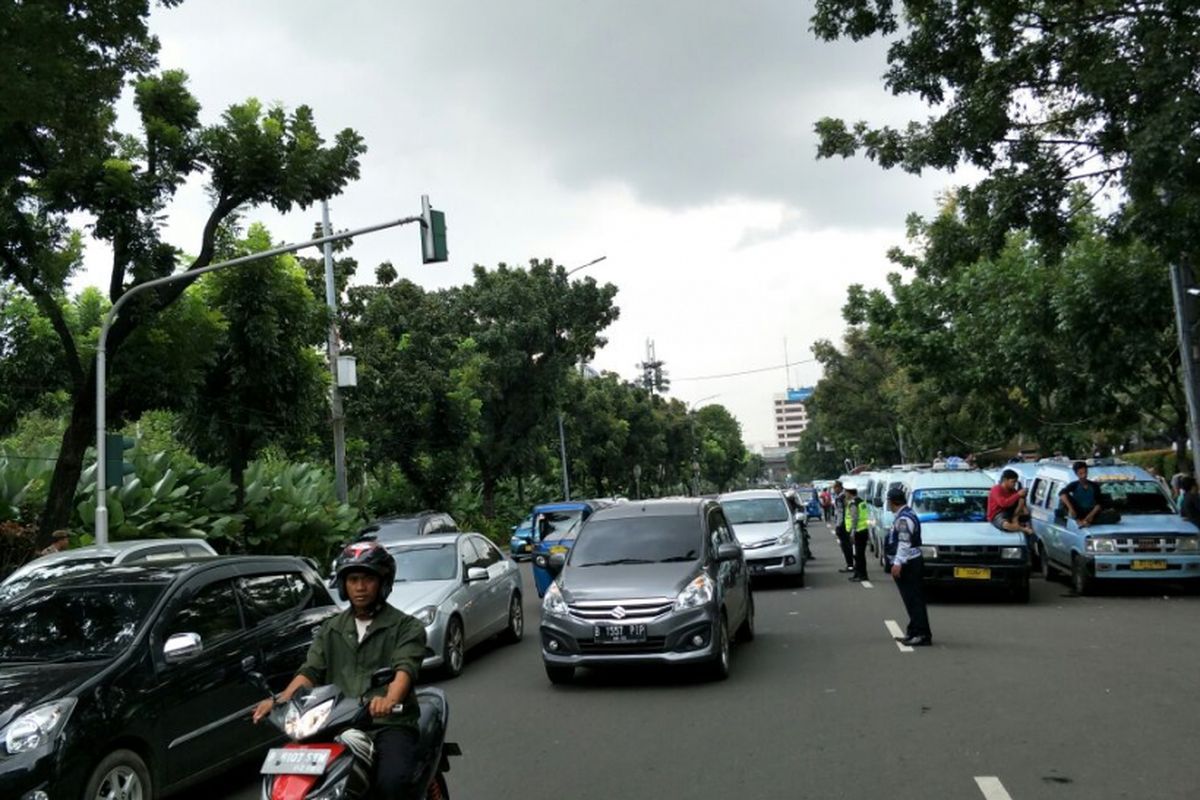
(350, 646)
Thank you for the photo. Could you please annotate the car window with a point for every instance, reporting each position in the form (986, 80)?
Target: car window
(425, 562)
(1039, 492)
(194, 550)
(488, 553)
(756, 510)
(155, 554)
(448, 524)
(265, 596)
(76, 625)
(639, 540)
(467, 553)
(211, 612)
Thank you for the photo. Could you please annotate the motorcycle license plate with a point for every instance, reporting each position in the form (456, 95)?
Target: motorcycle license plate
(619, 634)
(295, 761)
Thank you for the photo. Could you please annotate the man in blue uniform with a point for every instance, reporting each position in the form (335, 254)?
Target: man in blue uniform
(902, 550)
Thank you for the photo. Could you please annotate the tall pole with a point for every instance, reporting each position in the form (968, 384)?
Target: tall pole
(1181, 280)
(101, 527)
(562, 443)
(336, 416)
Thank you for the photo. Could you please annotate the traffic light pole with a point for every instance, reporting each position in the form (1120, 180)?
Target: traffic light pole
(336, 413)
(101, 527)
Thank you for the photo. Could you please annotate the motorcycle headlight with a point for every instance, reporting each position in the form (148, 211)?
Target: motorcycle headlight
(697, 593)
(37, 726)
(788, 537)
(553, 603)
(302, 724)
(1098, 544)
(929, 551)
(426, 615)
(1012, 552)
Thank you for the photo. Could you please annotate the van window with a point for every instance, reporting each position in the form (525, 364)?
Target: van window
(1039, 492)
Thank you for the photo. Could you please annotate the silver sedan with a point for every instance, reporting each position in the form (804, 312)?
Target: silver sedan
(463, 589)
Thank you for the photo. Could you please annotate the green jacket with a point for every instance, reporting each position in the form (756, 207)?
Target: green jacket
(394, 640)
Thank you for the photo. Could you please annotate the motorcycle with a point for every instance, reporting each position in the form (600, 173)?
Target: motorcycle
(331, 756)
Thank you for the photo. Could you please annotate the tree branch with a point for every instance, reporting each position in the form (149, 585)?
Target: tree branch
(47, 305)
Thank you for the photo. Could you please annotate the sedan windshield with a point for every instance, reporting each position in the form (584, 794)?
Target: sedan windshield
(950, 505)
(1135, 497)
(75, 624)
(638, 540)
(425, 563)
(755, 510)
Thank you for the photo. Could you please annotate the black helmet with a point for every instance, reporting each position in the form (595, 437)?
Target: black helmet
(366, 556)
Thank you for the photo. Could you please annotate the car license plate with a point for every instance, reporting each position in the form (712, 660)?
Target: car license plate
(558, 548)
(1148, 565)
(757, 569)
(973, 573)
(525, 548)
(295, 761)
(619, 634)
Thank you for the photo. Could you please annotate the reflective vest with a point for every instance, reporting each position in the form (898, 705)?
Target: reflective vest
(864, 519)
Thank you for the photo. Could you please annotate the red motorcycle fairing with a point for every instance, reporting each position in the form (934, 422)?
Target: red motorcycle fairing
(296, 787)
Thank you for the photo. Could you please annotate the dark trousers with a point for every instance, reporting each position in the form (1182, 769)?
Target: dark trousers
(395, 764)
(913, 595)
(860, 554)
(847, 549)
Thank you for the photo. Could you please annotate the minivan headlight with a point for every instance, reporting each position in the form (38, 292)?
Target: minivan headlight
(301, 725)
(1012, 552)
(787, 537)
(426, 615)
(1100, 544)
(1187, 544)
(553, 603)
(929, 551)
(697, 593)
(37, 726)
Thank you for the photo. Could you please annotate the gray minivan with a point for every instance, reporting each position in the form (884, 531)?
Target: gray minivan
(659, 581)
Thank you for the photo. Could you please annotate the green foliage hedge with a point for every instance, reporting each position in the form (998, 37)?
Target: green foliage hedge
(1161, 460)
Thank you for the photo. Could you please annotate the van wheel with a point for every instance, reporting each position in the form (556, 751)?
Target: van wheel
(121, 775)
(1049, 571)
(746, 632)
(559, 675)
(1081, 582)
(516, 620)
(718, 668)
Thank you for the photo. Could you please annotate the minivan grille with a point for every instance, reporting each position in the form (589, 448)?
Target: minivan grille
(607, 610)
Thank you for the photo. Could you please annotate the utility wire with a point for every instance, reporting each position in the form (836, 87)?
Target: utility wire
(745, 371)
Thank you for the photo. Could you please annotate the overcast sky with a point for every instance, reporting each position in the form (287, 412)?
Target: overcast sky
(672, 136)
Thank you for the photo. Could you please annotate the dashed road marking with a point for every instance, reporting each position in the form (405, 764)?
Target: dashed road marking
(866, 584)
(992, 788)
(894, 629)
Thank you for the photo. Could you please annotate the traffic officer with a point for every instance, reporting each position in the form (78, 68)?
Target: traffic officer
(839, 525)
(902, 553)
(858, 523)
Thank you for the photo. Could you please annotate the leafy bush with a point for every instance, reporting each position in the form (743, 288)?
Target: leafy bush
(293, 508)
(1161, 460)
(18, 544)
(23, 483)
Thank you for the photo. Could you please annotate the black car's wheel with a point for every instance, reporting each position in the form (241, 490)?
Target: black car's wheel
(454, 649)
(718, 668)
(1081, 582)
(516, 620)
(1049, 571)
(746, 632)
(121, 775)
(558, 674)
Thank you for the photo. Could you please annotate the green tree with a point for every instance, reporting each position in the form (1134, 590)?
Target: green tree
(267, 383)
(721, 451)
(532, 328)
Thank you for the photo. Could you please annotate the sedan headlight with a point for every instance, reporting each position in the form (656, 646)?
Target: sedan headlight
(1187, 544)
(929, 551)
(698, 593)
(37, 726)
(1012, 552)
(787, 537)
(426, 615)
(1100, 544)
(553, 603)
(301, 725)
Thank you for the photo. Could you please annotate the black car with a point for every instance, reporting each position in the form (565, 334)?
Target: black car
(661, 581)
(130, 681)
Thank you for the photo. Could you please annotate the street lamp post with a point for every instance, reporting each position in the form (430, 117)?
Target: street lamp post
(637, 480)
(562, 436)
(101, 524)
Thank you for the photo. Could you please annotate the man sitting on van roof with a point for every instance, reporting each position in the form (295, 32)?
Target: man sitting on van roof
(1006, 504)
(1082, 496)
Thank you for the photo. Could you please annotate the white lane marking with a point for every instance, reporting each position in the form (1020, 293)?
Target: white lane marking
(866, 584)
(894, 629)
(992, 788)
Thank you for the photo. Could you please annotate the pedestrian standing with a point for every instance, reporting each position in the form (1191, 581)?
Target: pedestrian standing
(826, 505)
(1190, 508)
(59, 540)
(902, 553)
(839, 525)
(858, 524)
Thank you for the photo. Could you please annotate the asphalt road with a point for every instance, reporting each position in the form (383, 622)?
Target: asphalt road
(1066, 698)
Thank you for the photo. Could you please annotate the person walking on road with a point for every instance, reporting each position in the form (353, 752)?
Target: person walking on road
(902, 554)
(839, 525)
(858, 524)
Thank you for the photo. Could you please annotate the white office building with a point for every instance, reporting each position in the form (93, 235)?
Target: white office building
(791, 416)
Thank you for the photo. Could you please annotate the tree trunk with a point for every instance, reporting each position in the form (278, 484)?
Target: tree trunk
(60, 500)
(489, 497)
(521, 490)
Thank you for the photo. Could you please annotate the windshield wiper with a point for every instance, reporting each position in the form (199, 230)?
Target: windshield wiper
(616, 561)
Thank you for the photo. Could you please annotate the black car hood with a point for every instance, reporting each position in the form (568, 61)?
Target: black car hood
(622, 581)
(25, 685)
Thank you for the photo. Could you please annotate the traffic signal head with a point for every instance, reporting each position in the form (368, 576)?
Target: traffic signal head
(433, 233)
(115, 465)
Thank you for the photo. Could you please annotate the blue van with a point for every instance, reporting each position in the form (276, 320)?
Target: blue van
(1151, 541)
(555, 526)
(520, 546)
(960, 545)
